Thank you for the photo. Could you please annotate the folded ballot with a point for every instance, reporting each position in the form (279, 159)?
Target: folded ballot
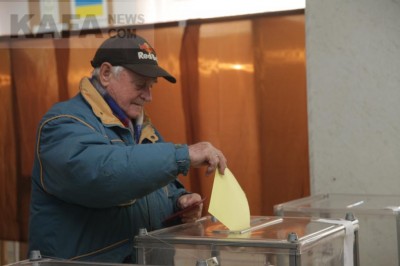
(228, 202)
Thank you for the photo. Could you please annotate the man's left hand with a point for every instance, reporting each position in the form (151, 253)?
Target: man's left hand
(188, 200)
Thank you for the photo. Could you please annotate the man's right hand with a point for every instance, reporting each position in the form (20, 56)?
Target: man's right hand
(205, 154)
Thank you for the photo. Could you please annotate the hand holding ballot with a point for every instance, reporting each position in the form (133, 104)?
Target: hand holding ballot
(203, 153)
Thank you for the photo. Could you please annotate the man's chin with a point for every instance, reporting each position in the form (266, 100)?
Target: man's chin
(135, 114)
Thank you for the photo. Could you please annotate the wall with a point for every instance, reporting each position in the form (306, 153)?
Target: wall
(7, 8)
(353, 80)
(15, 20)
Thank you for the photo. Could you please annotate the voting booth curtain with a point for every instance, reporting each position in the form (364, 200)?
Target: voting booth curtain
(241, 86)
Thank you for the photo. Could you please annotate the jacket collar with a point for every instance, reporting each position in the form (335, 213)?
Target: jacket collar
(99, 106)
(103, 111)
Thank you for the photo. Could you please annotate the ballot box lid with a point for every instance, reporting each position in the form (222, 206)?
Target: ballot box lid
(342, 203)
(265, 231)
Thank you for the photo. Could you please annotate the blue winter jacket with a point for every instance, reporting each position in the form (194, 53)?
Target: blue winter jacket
(93, 188)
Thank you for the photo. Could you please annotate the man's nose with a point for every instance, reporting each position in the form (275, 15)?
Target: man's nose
(146, 94)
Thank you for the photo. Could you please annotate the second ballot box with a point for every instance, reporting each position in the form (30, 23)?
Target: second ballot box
(378, 217)
(268, 241)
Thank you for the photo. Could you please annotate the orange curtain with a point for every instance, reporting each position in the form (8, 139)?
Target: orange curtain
(35, 84)
(280, 85)
(241, 86)
(9, 221)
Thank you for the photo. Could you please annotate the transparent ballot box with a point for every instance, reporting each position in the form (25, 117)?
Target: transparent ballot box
(378, 217)
(268, 241)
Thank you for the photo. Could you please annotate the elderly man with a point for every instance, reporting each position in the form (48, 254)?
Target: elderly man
(101, 170)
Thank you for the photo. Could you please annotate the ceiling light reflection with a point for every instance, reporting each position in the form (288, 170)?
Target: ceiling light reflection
(5, 80)
(208, 67)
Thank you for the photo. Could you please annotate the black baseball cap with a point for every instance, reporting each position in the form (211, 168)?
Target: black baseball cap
(132, 52)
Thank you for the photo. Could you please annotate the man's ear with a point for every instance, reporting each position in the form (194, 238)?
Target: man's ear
(105, 74)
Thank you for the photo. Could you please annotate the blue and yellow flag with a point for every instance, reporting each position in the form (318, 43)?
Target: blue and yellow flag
(84, 8)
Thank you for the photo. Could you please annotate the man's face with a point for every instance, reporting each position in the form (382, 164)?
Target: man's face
(131, 91)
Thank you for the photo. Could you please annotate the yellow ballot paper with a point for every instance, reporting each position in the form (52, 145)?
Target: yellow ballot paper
(228, 202)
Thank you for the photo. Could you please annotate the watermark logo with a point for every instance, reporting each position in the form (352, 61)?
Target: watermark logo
(126, 19)
(32, 26)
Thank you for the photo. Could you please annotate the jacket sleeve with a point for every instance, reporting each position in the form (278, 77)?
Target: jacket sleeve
(80, 165)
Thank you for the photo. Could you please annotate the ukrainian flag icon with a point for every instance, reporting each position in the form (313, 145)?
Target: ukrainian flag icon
(84, 8)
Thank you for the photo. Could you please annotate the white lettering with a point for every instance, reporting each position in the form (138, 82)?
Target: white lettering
(142, 55)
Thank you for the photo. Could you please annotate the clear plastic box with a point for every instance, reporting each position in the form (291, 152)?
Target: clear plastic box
(378, 217)
(269, 241)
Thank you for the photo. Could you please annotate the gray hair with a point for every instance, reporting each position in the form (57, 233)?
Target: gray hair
(116, 70)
